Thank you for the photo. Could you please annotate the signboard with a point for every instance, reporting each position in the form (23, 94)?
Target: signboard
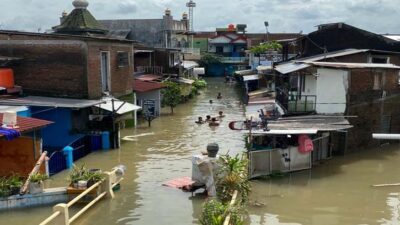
(149, 108)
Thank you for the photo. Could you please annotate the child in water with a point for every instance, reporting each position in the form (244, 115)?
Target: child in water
(213, 122)
(219, 95)
(200, 120)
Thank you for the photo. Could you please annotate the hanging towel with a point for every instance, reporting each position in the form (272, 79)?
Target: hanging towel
(9, 134)
(305, 144)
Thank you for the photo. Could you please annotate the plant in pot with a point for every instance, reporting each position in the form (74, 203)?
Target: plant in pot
(36, 183)
(93, 177)
(4, 188)
(78, 176)
(15, 182)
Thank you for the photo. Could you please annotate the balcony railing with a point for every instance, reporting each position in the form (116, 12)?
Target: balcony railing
(234, 59)
(302, 103)
(149, 69)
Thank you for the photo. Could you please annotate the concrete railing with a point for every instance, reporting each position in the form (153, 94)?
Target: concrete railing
(61, 215)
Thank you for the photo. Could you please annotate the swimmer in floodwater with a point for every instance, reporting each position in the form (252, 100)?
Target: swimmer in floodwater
(219, 95)
(208, 118)
(211, 101)
(213, 122)
(200, 120)
(221, 114)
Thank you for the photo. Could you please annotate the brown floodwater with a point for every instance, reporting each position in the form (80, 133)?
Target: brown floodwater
(333, 193)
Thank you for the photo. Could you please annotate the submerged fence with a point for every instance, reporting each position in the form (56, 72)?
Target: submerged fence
(81, 147)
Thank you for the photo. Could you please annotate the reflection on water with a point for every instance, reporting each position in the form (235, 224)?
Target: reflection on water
(337, 192)
(152, 156)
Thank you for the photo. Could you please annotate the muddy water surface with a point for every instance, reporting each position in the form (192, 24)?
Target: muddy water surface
(337, 192)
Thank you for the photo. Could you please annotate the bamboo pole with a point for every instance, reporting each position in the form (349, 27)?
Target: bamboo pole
(386, 185)
(35, 169)
(233, 201)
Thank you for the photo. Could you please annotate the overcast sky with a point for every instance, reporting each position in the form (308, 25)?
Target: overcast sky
(380, 16)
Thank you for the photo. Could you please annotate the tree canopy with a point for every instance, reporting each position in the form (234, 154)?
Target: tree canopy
(172, 95)
(264, 47)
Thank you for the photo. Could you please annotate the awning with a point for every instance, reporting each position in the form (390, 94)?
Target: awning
(291, 67)
(283, 132)
(245, 72)
(250, 77)
(189, 64)
(50, 102)
(120, 107)
(199, 71)
(144, 51)
(262, 68)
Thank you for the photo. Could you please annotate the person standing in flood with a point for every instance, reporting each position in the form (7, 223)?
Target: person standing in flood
(219, 95)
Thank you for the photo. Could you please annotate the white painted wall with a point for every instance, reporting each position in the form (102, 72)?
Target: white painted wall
(331, 89)
(310, 85)
(151, 95)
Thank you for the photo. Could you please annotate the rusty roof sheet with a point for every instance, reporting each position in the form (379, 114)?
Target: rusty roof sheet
(145, 86)
(27, 124)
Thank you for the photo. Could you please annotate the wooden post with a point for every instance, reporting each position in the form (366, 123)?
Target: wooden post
(106, 185)
(63, 218)
(35, 169)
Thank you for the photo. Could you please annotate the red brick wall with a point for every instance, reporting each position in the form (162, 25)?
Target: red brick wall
(49, 67)
(369, 107)
(66, 66)
(121, 77)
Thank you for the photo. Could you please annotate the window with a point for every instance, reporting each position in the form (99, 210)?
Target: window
(105, 71)
(378, 81)
(123, 59)
(379, 59)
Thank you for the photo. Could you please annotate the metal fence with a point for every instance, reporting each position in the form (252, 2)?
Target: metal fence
(82, 147)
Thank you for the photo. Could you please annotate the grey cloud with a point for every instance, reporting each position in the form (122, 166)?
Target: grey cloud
(284, 15)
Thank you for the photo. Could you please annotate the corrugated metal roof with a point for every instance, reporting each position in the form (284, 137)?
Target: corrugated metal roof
(290, 67)
(250, 77)
(50, 102)
(145, 86)
(149, 77)
(121, 107)
(189, 64)
(298, 64)
(354, 65)
(245, 72)
(27, 124)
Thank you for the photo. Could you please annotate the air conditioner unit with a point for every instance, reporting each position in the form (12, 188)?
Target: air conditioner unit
(9, 119)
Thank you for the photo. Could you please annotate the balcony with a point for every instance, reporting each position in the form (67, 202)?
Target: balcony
(297, 104)
(234, 59)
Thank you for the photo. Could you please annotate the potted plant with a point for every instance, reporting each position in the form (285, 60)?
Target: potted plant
(77, 174)
(93, 177)
(36, 183)
(4, 188)
(15, 182)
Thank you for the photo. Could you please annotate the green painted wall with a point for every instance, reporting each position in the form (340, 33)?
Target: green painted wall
(201, 43)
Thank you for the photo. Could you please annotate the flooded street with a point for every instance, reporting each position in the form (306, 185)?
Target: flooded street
(162, 153)
(336, 192)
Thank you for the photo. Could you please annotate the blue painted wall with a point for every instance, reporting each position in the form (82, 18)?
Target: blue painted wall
(57, 134)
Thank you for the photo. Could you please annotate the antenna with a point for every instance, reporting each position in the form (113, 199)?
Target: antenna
(191, 4)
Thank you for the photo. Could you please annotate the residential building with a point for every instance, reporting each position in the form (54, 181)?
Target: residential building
(18, 155)
(360, 83)
(339, 36)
